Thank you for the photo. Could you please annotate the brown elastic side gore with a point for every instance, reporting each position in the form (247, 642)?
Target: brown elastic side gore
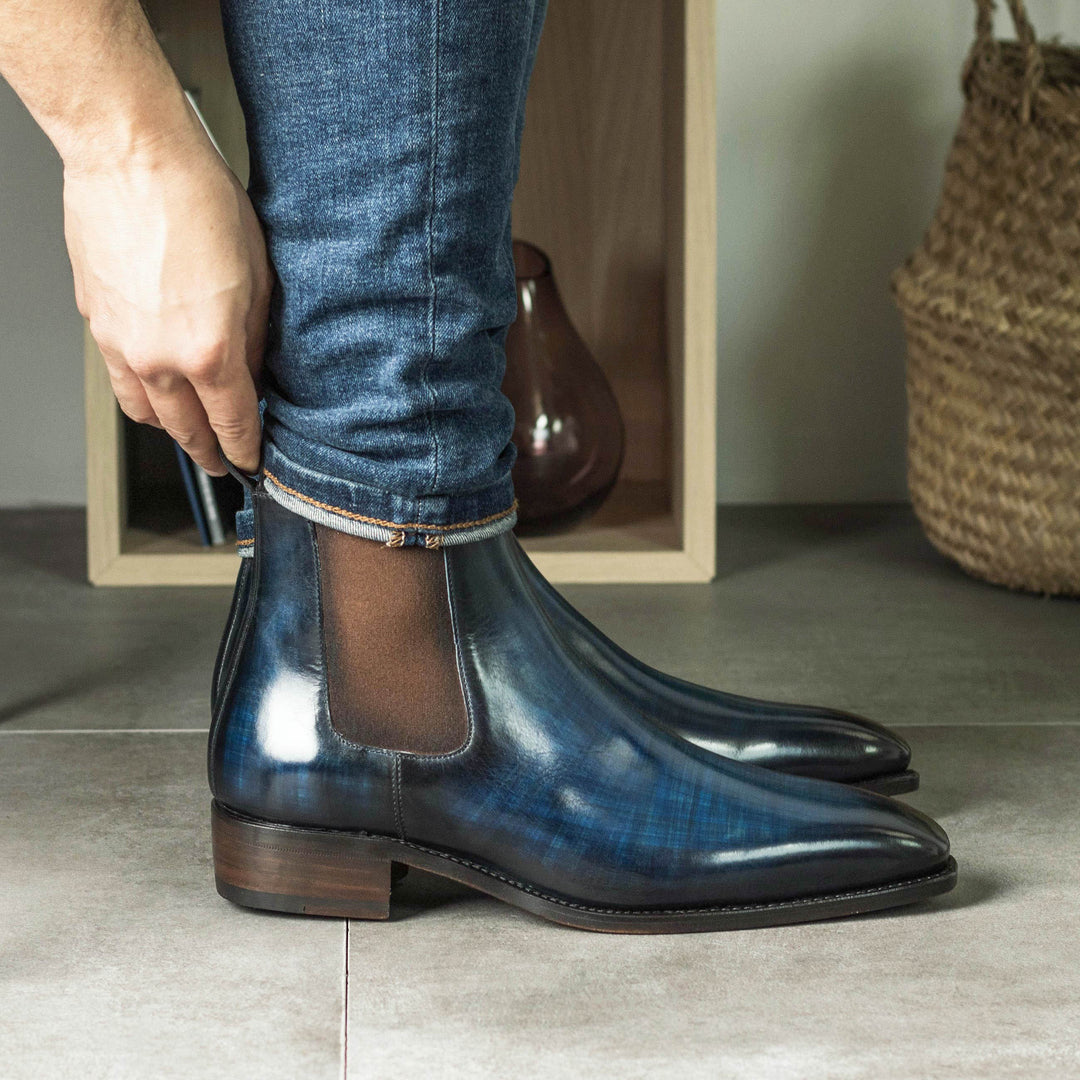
(392, 670)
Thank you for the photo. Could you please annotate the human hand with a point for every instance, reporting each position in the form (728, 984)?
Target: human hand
(171, 271)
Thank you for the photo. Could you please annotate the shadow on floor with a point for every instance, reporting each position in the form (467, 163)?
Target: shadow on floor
(52, 541)
(972, 889)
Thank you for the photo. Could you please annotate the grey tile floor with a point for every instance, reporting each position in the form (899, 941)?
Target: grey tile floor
(117, 959)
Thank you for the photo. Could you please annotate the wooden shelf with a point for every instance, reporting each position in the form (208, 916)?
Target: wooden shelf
(618, 186)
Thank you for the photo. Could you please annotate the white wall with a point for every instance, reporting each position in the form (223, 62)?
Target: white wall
(834, 119)
(834, 116)
(42, 459)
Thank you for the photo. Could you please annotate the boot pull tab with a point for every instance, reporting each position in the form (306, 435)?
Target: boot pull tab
(248, 481)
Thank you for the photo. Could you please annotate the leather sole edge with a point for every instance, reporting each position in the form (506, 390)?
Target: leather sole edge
(899, 783)
(349, 875)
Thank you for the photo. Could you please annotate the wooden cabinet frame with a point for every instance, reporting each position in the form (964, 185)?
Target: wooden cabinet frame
(618, 184)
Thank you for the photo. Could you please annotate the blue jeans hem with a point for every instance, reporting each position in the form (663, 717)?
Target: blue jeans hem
(430, 521)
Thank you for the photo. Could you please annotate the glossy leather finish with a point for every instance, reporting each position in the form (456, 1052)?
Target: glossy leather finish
(805, 740)
(232, 623)
(561, 786)
(273, 752)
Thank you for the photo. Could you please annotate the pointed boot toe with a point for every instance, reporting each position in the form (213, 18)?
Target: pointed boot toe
(548, 791)
(929, 843)
(908, 843)
(872, 756)
(809, 740)
(806, 740)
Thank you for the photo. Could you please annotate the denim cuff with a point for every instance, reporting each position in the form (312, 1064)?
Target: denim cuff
(430, 521)
(245, 529)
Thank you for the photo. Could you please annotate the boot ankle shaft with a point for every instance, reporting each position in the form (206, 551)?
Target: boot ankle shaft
(273, 752)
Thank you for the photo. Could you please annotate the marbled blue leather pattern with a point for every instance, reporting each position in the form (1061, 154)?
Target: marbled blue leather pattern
(561, 785)
(273, 753)
(232, 625)
(806, 740)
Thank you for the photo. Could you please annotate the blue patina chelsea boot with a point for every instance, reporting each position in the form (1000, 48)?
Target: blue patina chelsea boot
(378, 708)
(806, 740)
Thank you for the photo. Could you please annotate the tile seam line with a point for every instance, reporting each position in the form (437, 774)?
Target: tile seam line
(105, 731)
(985, 724)
(345, 1010)
(203, 731)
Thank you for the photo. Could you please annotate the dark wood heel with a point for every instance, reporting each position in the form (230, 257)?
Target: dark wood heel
(306, 871)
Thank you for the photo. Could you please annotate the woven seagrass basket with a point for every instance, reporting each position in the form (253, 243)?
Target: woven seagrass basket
(991, 310)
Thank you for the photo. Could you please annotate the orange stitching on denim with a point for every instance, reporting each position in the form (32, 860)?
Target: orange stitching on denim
(241, 543)
(388, 524)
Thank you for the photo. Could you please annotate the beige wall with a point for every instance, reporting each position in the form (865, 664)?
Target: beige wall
(834, 119)
(835, 116)
(41, 422)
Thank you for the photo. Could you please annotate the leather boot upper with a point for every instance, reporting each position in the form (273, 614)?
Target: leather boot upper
(560, 785)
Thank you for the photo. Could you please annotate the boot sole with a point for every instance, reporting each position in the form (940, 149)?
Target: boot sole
(349, 875)
(899, 783)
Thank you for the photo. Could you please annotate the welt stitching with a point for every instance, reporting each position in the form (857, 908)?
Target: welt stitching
(802, 901)
(389, 524)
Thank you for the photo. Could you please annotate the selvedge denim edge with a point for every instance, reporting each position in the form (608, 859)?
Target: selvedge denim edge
(378, 515)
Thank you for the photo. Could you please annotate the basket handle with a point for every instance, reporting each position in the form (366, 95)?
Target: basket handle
(986, 45)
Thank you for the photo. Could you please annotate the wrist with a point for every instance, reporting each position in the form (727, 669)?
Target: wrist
(145, 129)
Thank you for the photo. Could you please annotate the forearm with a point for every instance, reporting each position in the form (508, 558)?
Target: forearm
(93, 76)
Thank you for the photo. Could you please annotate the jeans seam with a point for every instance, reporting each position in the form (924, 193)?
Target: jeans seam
(433, 296)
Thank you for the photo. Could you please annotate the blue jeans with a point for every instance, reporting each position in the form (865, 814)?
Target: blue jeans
(384, 138)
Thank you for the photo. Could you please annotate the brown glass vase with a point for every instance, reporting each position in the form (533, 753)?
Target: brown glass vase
(568, 429)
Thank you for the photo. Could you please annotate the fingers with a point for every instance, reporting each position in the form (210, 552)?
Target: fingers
(182, 415)
(199, 413)
(204, 403)
(204, 399)
(231, 406)
(129, 391)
